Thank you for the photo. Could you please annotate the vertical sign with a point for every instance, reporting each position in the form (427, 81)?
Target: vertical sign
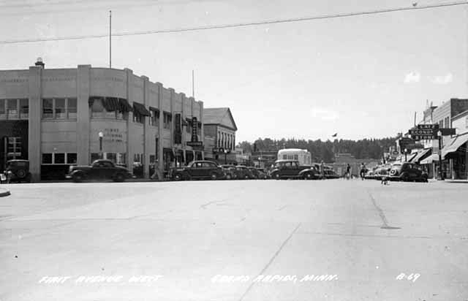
(178, 130)
(194, 129)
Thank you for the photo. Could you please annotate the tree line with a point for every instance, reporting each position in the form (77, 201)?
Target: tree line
(324, 150)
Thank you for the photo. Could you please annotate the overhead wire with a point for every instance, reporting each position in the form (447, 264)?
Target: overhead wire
(239, 25)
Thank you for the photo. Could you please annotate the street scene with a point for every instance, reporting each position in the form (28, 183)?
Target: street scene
(236, 240)
(233, 150)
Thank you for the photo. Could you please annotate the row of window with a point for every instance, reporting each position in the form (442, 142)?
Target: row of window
(59, 108)
(13, 109)
(59, 158)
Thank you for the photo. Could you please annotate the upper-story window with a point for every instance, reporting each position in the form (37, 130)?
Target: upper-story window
(447, 123)
(59, 108)
(154, 118)
(140, 112)
(13, 109)
(167, 120)
(188, 125)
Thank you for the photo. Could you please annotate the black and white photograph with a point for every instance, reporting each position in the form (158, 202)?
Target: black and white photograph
(233, 150)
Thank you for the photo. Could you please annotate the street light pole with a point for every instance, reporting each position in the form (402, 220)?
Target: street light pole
(441, 176)
(100, 145)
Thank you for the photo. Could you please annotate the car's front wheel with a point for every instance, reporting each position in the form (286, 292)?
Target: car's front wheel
(308, 176)
(178, 177)
(77, 177)
(228, 177)
(119, 177)
(214, 176)
(277, 176)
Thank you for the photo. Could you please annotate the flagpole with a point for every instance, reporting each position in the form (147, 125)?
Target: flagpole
(110, 39)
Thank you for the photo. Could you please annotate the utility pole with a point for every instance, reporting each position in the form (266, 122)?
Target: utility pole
(110, 39)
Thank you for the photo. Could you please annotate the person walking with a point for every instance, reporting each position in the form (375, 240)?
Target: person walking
(363, 171)
(348, 172)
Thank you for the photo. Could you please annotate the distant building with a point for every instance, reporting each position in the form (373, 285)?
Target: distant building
(220, 126)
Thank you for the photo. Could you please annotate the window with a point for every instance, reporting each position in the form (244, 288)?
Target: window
(285, 157)
(151, 159)
(2, 109)
(441, 124)
(137, 117)
(167, 120)
(71, 158)
(447, 123)
(60, 108)
(296, 157)
(24, 108)
(47, 108)
(72, 108)
(12, 109)
(95, 156)
(46, 158)
(154, 118)
(106, 164)
(59, 158)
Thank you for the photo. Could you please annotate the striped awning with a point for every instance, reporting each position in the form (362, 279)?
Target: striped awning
(455, 145)
(111, 104)
(125, 106)
(421, 155)
(140, 109)
(430, 159)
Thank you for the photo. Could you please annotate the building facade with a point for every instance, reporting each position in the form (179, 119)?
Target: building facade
(59, 117)
(220, 132)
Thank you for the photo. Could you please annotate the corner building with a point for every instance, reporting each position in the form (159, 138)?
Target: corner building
(55, 117)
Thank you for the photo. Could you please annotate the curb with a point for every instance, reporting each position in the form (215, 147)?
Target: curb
(4, 192)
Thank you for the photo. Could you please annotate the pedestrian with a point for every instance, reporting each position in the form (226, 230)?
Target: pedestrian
(348, 171)
(363, 170)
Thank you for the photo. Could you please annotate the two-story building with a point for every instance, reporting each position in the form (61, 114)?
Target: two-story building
(59, 117)
(457, 150)
(220, 135)
(443, 115)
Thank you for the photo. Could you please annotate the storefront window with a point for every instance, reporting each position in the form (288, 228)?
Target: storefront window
(72, 108)
(112, 157)
(60, 108)
(95, 156)
(59, 158)
(121, 158)
(2, 109)
(46, 158)
(47, 108)
(71, 158)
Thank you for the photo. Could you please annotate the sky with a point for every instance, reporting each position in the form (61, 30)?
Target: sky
(360, 76)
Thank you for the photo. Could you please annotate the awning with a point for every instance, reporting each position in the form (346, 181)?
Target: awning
(111, 104)
(411, 156)
(125, 106)
(455, 145)
(155, 110)
(140, 109)
(422, 155)
(430, 159)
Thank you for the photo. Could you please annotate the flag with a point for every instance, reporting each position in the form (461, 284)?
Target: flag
(334, 135)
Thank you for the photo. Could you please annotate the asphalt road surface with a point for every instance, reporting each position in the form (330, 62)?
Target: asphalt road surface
(235, 241)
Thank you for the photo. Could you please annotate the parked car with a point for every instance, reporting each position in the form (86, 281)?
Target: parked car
(262, 174)
(381, 171)
(330, 174)
(290, 169)
(243, 172)
(201, 169)
(17, 171)
(407, 172)
(99, 170)
(229, 171)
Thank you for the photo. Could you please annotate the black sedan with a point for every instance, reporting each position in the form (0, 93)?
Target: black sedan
(201, 170)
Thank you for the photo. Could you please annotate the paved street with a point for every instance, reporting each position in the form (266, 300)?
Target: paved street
(324, 240)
